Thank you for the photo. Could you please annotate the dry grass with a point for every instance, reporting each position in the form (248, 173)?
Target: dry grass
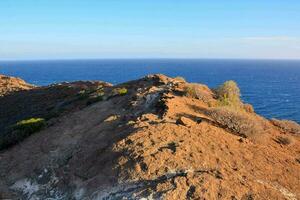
(239, 123)
(283, 140)
(198, 91)
(287, 126)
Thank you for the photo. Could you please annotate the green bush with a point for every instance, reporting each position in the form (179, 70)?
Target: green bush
(30, 125)
(20, 131)
(120, 91)
(228, 94)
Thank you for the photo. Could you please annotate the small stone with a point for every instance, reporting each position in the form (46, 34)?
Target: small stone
(131, 122)
(111, 118)
(185, 121)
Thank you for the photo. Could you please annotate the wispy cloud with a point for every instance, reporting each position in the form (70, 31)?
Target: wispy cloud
(271, 38)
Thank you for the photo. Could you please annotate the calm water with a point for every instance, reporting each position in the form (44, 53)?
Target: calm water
(272, 87)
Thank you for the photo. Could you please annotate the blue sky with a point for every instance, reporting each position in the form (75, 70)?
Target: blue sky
(57, 29)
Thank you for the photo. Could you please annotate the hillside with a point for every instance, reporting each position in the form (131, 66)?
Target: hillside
(153, 138)
(45, 102)
(11, 84)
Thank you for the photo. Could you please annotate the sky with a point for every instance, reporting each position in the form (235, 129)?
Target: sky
(68, 29)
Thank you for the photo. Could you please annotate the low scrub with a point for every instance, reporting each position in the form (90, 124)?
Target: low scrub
(283, 140)
(97, 96)
(287, 126)
(198, 91)
(119, 91)
(20, 131)
(239, 123)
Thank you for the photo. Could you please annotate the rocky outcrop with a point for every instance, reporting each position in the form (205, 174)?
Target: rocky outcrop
(152, 141)
(9, 85)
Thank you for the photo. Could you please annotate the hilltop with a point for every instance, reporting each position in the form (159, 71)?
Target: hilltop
(154, 138)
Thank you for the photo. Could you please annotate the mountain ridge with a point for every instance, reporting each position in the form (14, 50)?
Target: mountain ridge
(154, 138)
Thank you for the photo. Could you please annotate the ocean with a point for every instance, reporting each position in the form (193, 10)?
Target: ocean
(271, 86)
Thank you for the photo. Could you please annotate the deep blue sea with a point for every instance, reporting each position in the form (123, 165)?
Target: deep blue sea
(271, 86)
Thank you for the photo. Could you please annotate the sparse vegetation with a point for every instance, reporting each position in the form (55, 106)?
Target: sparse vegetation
(83, 94)
(283, 140)
(287, 126)
(21, 130)
(97, 96)
(239, 123)
(94, 99)
(198, 91)
(228, 94)
(122, 91)
(248, 108)
(119, 91)
(30, 125)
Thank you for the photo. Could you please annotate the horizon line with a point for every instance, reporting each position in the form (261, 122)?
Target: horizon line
(147, 58)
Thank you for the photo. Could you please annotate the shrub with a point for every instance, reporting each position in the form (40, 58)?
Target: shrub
(283, 140)
(20, 131)
(120, 91)
(237, 122)
(30, 125)
(198, 91)
(287, 126)
(228, 94)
